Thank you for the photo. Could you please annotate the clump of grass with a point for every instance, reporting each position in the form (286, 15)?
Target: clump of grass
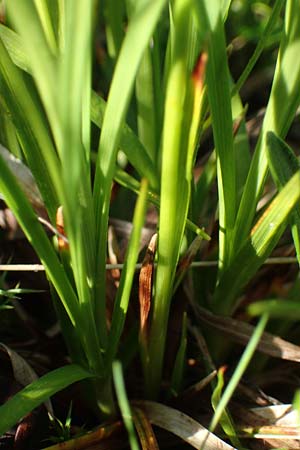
(171, 80)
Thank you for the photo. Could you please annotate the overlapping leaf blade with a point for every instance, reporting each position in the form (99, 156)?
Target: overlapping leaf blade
(283, 165)
(283, 102)
(264, 236)
(37, 392)
(138, 34)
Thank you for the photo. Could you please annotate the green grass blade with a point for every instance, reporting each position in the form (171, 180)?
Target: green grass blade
(158, 84)
(276, 9)
(179, 365)
(283, 102)
(41, 59)
(14, 46)
(217, 79)
(124, 404)
(203, 186)
(241, 144)
(138, 34)
(8, 134)
(296, 406)
(257, 248)
(129, 143)
(74, 87)
(27, 116)
(281, 309)
(69, 331)
(126, 180)
(36, 235)
(225, 419)
(65, 93)
(239, 371)
(145, 98)
(37, 392)
(225, 7)
(282, 160)
(175, 187)
(149, 98)
(124, 290)
(283, 165)
(40, 242)
(113, 13)
(42, 7)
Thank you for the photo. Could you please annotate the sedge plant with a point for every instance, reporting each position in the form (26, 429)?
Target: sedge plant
(171, 73)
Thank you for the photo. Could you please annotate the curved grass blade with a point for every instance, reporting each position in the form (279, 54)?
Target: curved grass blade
(225, 420)
(183, 426)
(264, 236)
(276, 9)
(14, 46)
(283, 165)
(64, 85)
(283, 102)
(40, 57)
(239, 371)
(126, 180)
(282, 160)
(38, 392)
(114, 12)
(129, 143)
(36, 235)
(27, 116)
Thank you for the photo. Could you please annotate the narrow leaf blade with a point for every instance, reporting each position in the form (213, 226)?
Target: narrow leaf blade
(37, 392)
(283, 165)
(263, 238)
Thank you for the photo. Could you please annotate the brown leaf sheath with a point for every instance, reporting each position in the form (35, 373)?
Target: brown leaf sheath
(145, 284)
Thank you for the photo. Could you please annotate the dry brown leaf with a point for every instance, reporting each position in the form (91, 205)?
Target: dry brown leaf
(283, 415)
(241, 332)
(24, 177)
(283, 429)
(182, 426)
(123, 230)
(145, 284)
(61, 242)
(23, 372)
(193, 390)
(113, 254)
(198, 75)
(188, 257)
(144, 429)
(195, 331)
